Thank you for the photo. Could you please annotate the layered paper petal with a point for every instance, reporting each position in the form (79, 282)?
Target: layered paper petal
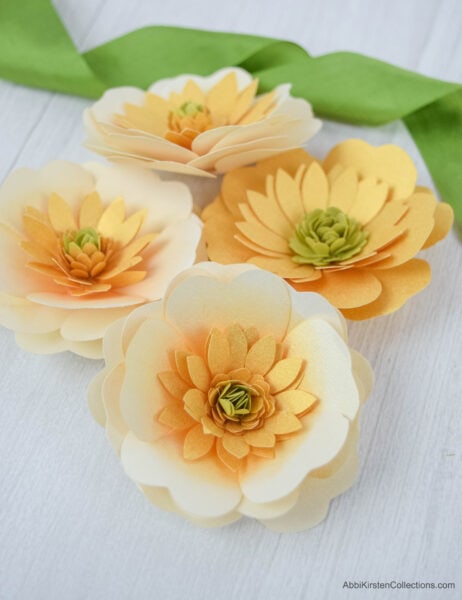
(83, 245)
(345, 228)
(198, 125)
(234, 395)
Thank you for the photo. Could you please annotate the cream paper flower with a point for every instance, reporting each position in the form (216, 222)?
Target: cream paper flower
(198, 125)
(83, 245)
(235, 395)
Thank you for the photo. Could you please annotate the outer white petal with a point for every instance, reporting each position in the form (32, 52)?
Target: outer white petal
(24, 316)
(316, 494)
(172, 252)
(268, 480)
(254, 298)
(139, 143)
(309, 305)
(200, 488)
(113, 100)
(166, 202)
(113, 350)
(116, 427)
(130, 325)
(25, 187)
(134, 160)
(142, 395)
(164, 87)
(108, 300)
(41, 343)
(90, 324)
(95, 398)
(269, 510)
(69, 180)
(363, 374)
(50, 343)
(328, 374)
(162, 498)
(21, 188)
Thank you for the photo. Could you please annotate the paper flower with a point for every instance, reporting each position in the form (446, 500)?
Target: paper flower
(347, 228)
(198, 125)
(235, 395)
(83, 245)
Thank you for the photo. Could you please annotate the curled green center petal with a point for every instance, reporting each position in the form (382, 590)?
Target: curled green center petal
(86, 235)
(189, 109)
(327, 236)
(235, 399)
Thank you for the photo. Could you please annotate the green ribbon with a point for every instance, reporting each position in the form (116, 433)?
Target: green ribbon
(36, 50)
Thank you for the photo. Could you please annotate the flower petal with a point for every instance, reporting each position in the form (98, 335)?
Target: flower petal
(398, 285)
(268, 480)
(388, 163)
(322, 348)
(345, 289)
(315, 495)
(201, 488)
(255, 298)
(147, 355)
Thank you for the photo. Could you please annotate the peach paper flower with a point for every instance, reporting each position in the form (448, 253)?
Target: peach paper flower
(198, 125)
(235, 395)
(347, 228)
(84, 245)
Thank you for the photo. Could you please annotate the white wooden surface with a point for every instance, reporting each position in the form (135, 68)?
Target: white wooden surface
(72, 526)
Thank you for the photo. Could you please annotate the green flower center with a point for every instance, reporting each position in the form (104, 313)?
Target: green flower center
(189, 109)
(327, 236)
(235, 398)
(86, 235)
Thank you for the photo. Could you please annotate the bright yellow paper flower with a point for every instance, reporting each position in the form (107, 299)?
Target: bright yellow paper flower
(83, 245)
(347, 228)
(235, 395)
(198, 125)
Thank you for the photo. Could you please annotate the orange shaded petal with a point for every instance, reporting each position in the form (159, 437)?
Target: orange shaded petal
(173, 383)
(282, 423)
(195, 404)
(237, 346)
(197, 444)
(60, 214)
(261, 355)
(295, 401)
(343, 190)
(388, 163)
(226, 458)
(398, 285)
(221, 99)
(243, 102)
(218, 354)
(444, 217)
(235, 445)
(284, 373)
(260, 438)
(91, 210)
(198, 372)
(174, 417)
(345, 289)
(418, 224)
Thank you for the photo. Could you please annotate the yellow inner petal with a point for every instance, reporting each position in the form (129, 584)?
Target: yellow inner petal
(239, 397)
(182, 116)
(90, 252)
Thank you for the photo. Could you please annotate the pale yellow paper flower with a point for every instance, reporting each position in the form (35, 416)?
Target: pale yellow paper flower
(235, 395)
(198, 125)
(83, 245)
(348, 227)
